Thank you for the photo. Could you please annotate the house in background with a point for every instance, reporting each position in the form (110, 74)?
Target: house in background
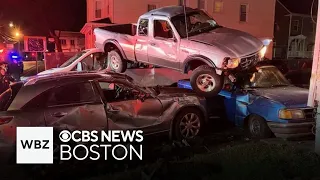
(253, 16)
(294, 32)
(71, 41)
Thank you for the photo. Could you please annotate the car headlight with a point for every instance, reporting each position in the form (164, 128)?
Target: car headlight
(291, 114)
(263, 51)
(233, 63)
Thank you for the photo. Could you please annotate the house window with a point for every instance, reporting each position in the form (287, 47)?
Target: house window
(218, 6)
(98, 9)
(72, 42)
(201, 4)
(63, 42)
(151, 7)
(295, 25)
(243, 12)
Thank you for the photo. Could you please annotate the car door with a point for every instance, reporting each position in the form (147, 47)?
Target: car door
(126, 111)
(163, 45)
(75, 106)
(141, 47)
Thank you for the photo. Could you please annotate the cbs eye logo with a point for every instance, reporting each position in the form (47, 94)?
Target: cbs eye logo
(65, 136)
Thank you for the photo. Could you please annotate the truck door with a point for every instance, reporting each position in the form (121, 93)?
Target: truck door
(141, 47)
(163, 45)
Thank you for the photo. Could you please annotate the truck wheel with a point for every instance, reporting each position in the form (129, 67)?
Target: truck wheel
(116, 62)
(258, 128)
(188, 124)
(205, 82)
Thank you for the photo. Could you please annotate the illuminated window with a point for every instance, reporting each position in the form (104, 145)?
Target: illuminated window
(218, 6)
(151, 7)
(98, 9)
(243, 12)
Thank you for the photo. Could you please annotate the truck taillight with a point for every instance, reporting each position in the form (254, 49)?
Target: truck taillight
(5, 119)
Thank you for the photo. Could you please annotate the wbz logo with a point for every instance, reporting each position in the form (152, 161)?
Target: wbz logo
(34, 145)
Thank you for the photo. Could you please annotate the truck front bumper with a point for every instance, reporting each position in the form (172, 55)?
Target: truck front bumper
(292, 130)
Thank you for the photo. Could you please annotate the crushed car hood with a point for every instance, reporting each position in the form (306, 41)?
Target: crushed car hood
(291, 96)
(232, 42)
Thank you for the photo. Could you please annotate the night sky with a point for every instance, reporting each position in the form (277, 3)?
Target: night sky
(37, 17)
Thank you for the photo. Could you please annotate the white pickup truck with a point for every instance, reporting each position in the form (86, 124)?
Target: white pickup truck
(163, 38)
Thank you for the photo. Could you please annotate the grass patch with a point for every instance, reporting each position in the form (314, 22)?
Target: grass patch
(248, 161)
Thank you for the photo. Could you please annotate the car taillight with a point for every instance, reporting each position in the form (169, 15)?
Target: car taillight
(5, 119)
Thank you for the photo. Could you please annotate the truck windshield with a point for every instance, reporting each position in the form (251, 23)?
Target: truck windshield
(197, 23)
(73, 58)
(265, 77)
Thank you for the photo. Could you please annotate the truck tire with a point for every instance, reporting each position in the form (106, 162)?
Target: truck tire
(115, 62)
(206, 82)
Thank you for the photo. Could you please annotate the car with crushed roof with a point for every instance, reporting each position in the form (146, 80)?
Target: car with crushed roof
(98, 101)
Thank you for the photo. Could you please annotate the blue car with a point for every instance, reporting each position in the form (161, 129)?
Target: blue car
(266, 104)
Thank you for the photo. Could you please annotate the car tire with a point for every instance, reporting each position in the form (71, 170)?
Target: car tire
(188, 124)
(115, 62)
(257, 128)
(214, 81)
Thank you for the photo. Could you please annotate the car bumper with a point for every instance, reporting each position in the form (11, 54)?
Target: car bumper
(292, 130)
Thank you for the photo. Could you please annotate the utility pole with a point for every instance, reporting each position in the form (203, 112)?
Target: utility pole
(314, 90)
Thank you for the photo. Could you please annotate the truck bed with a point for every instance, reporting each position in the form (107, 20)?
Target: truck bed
(122, 34)
(128, 29)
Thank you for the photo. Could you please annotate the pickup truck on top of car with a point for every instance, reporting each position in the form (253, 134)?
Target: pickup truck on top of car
(162, 38)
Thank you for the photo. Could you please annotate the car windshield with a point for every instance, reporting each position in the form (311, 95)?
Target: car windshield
(197, 23)
(265, 77)
(72, 59)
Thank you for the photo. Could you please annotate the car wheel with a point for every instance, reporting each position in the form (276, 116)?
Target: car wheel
(188, 124)
(258, 128)
(205, 82)
(116, 62)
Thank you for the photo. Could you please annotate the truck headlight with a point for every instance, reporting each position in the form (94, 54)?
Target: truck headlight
(233, 63)
(263, 51)
(291, 114)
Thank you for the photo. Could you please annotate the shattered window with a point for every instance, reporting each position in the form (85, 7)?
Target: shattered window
(72, 94)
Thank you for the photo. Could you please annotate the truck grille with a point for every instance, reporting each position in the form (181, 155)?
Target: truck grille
(249, 61)
(310, 113)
